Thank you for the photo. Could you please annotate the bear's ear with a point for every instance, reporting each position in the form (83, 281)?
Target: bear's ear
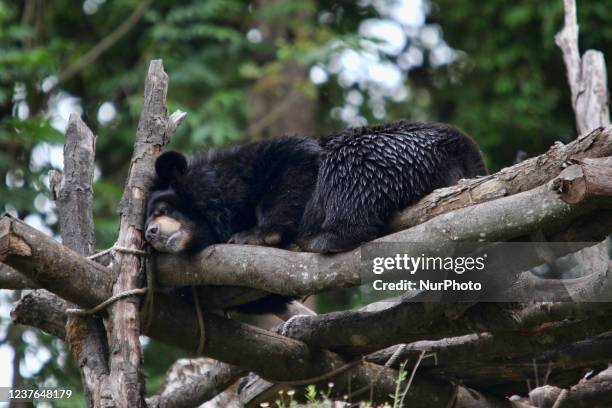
(170, 165)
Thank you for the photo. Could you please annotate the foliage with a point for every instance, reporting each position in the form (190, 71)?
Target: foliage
(509, 90)
(506, 87)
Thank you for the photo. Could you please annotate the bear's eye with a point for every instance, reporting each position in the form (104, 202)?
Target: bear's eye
(162, 210)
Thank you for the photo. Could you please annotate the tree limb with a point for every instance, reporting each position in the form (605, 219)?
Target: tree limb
(106, 43)
(74, 196)
(154, 131)
(523, 176)
(13, 280)
(586, 76)
(202, 383)
(280, 271)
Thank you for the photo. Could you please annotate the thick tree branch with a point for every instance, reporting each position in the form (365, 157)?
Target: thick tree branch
(74, 196)
(154, 131)
(73, 190)
(51, 265)
(487, 360)
(13, 280)
(43, 310)
(191, 386)
(449, 351)
(352, 331)
(523, 176)
(280, 271)
(586, 76)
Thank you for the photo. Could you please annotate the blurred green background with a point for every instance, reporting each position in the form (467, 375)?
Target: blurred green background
(250, 70)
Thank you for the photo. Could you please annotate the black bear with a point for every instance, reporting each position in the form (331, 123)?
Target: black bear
(328, 194)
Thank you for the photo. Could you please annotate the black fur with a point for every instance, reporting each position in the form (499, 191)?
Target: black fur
(254, 189)
(329, 194)
(369, 172)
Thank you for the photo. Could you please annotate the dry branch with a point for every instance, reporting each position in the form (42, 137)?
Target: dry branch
(523, 176)
(244, 344)
(154, 131)
(51, 265)
(13, 280)
(74, 196)
(586, 76)
(270, 355)
(356, 331)
(43, 310)
(209, 379)
(280, 271)
(73, 190)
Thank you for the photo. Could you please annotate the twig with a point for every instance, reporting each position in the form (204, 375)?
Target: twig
(106, 43)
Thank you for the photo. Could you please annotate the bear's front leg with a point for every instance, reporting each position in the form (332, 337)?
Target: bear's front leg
(259, 235)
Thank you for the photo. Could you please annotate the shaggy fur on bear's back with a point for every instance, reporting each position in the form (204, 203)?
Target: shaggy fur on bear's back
(369, 172)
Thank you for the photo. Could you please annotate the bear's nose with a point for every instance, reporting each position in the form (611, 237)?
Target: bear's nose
(152, 232)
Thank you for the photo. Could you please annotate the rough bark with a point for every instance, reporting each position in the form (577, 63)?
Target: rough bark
(595, 392)
(74, 196)
(51, 265)
(203, 380)
(13, 280)
(73, 189)
(358, 331)
(586, 76)
(43, 310)
(268, 354)
(280, 271)
(154, 131)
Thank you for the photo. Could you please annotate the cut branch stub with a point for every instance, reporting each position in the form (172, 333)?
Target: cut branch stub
(74, 194)
(589, 179)
(51, 265)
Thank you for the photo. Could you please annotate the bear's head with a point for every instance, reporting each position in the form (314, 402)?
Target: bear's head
(183, 212)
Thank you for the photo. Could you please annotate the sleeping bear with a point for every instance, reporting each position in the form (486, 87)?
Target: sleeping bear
(327, 195)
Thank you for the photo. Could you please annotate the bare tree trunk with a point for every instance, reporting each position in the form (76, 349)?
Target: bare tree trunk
(586, 76)
(154, 131)
(13, 339)
(73, 191)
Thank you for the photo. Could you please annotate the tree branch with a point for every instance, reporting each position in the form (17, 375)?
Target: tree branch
(523, 176)
(200, 381)
(13, 280)
(154, 131)
(106, 43)
(280, 271)
(586, 76)
(74, 196)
